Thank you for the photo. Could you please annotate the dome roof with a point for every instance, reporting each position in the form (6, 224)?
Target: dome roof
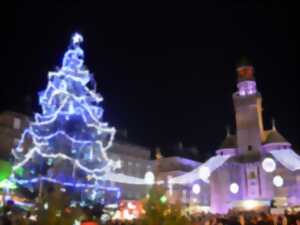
(244, 61)
(229, 142)
(273, 136)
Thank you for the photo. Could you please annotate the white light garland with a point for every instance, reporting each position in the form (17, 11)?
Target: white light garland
(149, 178)
(204, 173)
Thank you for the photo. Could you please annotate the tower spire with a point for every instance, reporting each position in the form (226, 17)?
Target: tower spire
(158, 154)
(273, 124)
(227, 131)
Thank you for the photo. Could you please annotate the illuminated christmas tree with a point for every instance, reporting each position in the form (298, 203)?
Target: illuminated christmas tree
(67, 142)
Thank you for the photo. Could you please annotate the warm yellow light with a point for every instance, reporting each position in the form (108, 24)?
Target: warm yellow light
(250, 204)
(131, 205)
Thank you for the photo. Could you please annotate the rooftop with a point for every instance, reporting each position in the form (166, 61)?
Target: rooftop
(273, 136)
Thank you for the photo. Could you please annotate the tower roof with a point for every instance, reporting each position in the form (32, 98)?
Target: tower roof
(158, 154)
(273, 136)
(244, 61)
(229, 142)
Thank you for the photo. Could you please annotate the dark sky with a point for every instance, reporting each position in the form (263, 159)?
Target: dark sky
(167, 72)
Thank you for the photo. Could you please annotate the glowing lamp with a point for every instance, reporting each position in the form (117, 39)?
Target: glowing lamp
(127, 215)
(196, 189)
(246, 72)
(278, 181)
(5, 169)
(204, 173)
(149, 178)
(234, 188)
(250, 204)
(269, 165)
(131, 205)
(33, 217)
(163, 199)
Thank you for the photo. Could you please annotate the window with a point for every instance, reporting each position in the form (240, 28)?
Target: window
(249, 147)
(17, 123)
(137, 195)
(137, 169)
(252, 175)
(129, 168)
(184, 195)
(242, 93)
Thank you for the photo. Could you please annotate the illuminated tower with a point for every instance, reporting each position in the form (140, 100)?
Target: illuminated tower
(248, 113)
(262, 166)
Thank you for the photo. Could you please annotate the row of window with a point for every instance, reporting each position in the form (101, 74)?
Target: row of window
(17, 123)
(134, 168)
(133, 195)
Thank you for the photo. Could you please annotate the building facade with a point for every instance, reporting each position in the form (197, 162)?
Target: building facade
(250, 168)
(135, 162)
(262, 166)
(188, 194)
(12, 125)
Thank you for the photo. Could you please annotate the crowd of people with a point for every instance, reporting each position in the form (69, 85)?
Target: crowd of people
(233, 218)
(248, 218)
(11, 215)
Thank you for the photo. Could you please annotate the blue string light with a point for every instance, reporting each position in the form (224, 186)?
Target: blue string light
(68, 101)
(66, 184)
(71, 117)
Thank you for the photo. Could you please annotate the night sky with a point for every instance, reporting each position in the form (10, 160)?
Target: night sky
(167, 72)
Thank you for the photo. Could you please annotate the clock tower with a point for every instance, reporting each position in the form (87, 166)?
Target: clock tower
(248, 114)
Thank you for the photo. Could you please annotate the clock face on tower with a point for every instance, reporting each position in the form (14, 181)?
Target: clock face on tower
(246, 72)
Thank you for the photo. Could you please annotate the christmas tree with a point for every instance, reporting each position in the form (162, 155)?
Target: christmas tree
(67, 142)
